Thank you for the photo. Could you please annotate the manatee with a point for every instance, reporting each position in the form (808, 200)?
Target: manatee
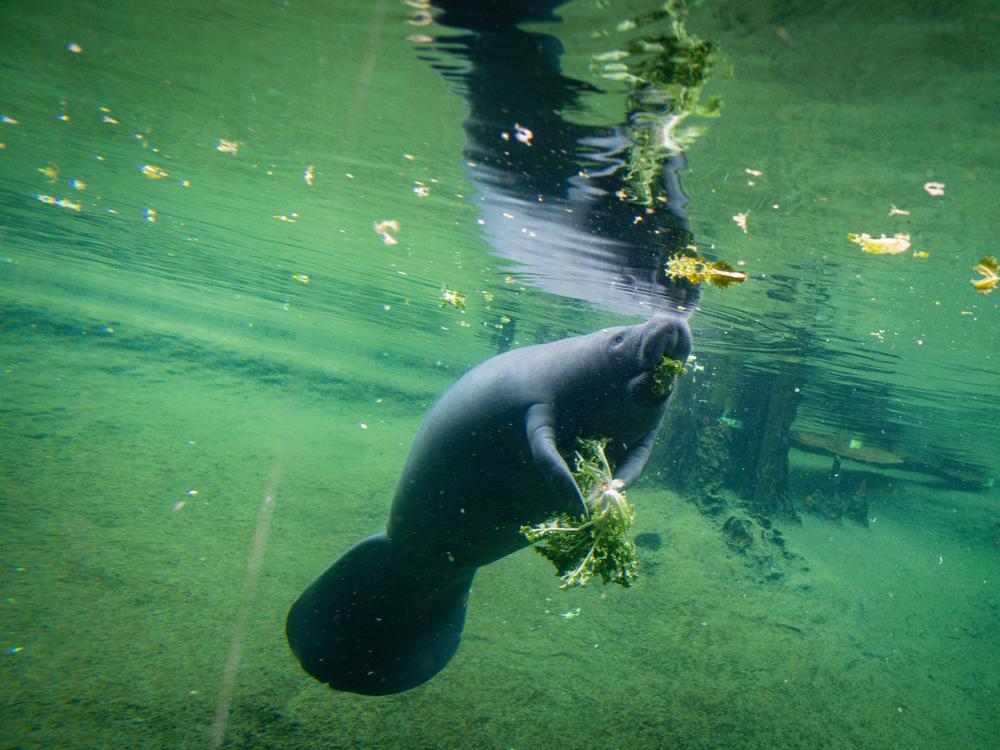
(490, 456)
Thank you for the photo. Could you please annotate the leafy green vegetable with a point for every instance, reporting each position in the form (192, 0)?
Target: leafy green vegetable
(595, 543)
(664, 374)
(696, 269)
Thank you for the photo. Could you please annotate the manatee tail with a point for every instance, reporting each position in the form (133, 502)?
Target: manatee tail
(379, 621)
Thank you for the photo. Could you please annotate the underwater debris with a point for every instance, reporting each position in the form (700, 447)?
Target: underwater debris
(523, 134)
(934, 188)
(387, 229)
(883, 245)
(455, 298)
(153, 172)
(696, 270)
(989, 271)
(852, 448)
(595, 543)
(61, 202)
(51, 171)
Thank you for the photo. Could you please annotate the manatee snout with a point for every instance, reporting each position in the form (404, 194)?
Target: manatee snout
(665, 336)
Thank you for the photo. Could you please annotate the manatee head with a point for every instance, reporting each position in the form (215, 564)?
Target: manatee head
(639, 352)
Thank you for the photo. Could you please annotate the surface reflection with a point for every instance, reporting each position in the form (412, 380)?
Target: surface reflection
(558, 198)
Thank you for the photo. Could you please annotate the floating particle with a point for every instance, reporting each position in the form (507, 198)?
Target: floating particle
(227, 147)
(9, 120)
(51, 171)
(522, 134)
(75, 48)
(62, 116)
(302, 278)
(153, 172)
(421, 18)
(185, 183)
(363, 425)
(387, 228)
(754, 172)
(179, 506)
(61, 202)
(408, 157)
(934, 188)
(741, 221)
(921, 254)
(67, 203)
(309, 175)
(290, 218)
(78, 184)
(612, 56)
(989, 271)
(420, 38)
(454, 298)
(893, 211)
(422, 191)
(883, 245)
(149, 215)
(109, 120)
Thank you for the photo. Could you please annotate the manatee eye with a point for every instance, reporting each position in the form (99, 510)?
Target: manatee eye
(619, 338)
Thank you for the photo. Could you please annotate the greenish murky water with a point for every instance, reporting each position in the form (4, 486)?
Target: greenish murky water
(213, 364)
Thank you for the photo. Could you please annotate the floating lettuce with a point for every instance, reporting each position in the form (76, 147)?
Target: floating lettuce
(696, 269)
(595, 543)
(989, 271)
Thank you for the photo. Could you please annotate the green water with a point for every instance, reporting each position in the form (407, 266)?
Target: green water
(201, 411)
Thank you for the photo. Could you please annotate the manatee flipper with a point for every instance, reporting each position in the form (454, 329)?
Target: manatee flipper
(379, 620)
(632, 464)
(541, 429)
